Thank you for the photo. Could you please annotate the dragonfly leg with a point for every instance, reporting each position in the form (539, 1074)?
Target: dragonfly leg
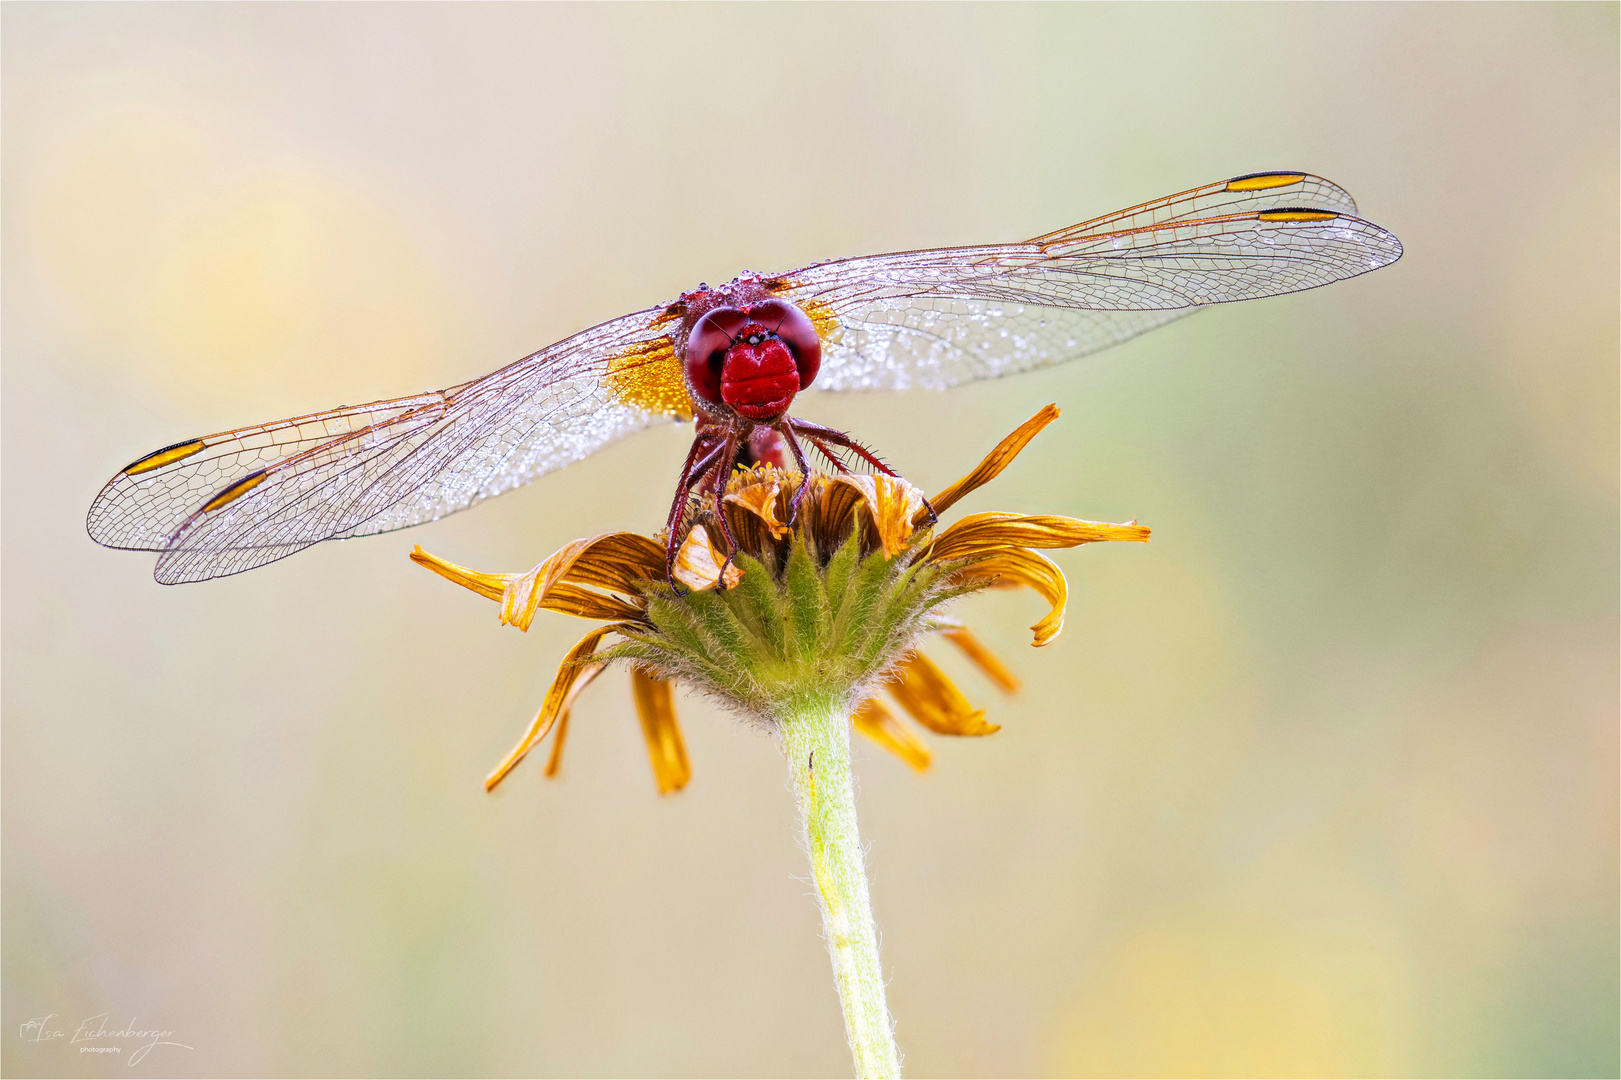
(725, 460)
(819, 434)
(706, 448)
(786, 430)
(830, 453)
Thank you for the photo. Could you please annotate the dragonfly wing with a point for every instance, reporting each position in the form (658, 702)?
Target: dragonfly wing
(142, 507)
(302, 500)
(219, 510)
(935, 344)
(1240, 195)
(952, 315)
(502, 436)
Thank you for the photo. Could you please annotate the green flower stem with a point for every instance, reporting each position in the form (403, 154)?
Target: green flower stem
(816, 740)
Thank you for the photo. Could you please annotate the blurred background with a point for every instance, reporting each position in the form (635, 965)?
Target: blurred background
(1323, 781)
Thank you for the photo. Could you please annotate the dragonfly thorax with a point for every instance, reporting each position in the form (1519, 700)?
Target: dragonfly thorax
(752, 359)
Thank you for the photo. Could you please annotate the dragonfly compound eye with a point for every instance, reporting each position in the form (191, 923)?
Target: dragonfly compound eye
(713, 335)
(794, 327)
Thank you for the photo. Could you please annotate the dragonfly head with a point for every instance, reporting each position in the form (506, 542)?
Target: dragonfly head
(752, 358)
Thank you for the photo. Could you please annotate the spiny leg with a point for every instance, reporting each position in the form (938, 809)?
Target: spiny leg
(701, 458)
(829, 453)
(786, 430)
(702, 454)
(725, 462)
(819, 434)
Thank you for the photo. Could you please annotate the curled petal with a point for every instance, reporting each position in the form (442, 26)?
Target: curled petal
(616, 561)
(613, 561)
(588, 604)
(588, 673)
(490, 585)
(934, 700)
(700, 566)
(997, 460)
(760, 498)
(524, 593)
(665, 747)
(981, 657)
(877, 723)
(892, 504)
(983, 534)
(831, 508)
(555, 762)
(1014, 567)
(567, 675)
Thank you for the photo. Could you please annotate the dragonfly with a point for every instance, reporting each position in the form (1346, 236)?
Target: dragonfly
(731, 359)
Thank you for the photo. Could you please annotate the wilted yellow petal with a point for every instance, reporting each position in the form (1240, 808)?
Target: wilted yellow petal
(892, 504)
(830, 507)
(760, 498)
(490, 585)
(559, 737)
(618, 561)
(997, 460)
(588, 673)
(698, 563)
(980, 534)
(614, 561)
(587, 604)
(982, 658)
(880, 725)
(524, 593)
(934, 700)
(656, 708)
(1013, 567)
(567, 674)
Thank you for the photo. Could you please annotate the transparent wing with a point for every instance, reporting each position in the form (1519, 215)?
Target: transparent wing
(946, 316)
(142, 507)
(233, 501)
(937, 343)
(1240, 195)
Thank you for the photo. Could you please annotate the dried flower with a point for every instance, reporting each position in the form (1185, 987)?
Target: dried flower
(837, 604)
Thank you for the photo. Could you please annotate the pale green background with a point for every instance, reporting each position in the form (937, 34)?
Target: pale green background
(1322, 781)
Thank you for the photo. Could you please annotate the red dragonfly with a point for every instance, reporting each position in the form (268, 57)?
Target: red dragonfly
(732, 358)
